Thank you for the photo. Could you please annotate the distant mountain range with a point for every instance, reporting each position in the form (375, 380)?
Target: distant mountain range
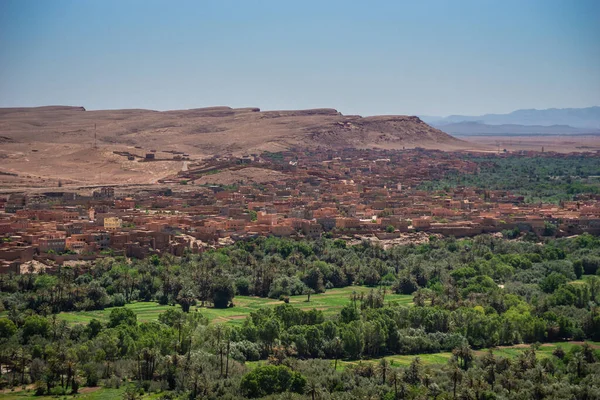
(550, 121)
(477, 128)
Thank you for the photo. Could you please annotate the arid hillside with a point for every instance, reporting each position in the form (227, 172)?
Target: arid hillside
(44, 144)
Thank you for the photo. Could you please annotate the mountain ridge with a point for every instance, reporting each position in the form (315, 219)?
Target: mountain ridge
(587, 117)
(474, 128)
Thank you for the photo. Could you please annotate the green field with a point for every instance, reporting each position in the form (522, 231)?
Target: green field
(544, 351)
(85, 394)
(329, 302)
(580, 281)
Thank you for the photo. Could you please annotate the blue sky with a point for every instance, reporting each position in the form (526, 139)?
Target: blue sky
(376, 57)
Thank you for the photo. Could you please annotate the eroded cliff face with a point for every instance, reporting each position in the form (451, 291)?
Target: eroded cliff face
(382, 131)
(242, 126)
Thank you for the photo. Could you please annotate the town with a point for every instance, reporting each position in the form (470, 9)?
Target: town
(354, 195)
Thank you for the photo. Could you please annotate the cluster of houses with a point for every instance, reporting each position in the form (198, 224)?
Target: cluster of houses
(346, 194)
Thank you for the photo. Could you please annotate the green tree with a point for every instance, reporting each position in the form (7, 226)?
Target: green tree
(253, 215)
(121, 316)
(593, 283)
(314, 280)
(412, 375)
(93, 328)
(455, 374)
(549, 229)
(270, 379)
(268, 332)
(35, 325)
(552, 282)
(7, 328)
(186, 299)
(222, 292)
(353, 340)
(314, 390)
(464, 356)
(383, 368)
(578, 268)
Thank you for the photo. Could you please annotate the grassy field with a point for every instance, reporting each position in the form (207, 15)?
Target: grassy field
(329, 302)
(580, 281)
(544, 351)
(85, 394)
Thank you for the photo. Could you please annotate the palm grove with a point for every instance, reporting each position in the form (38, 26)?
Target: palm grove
(468, 295)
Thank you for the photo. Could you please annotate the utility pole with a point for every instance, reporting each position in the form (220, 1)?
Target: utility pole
(95, 143)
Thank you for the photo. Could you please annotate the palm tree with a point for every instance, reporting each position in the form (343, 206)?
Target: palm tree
(131, 393)
(419, 298)
(396, 378)
(509, 381)
(314, 390)
(434, 390)
(412, 375)
(455, 375)
(588, 353)
(383, 368)
(577, 364)
(23, 357)
(338, 350)
(464, 356)
(220, 339)
(353, 298)
(308, 292)
(186, 299)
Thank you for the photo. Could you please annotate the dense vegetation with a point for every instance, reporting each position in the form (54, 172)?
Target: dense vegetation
(539, 178)
(468, 295)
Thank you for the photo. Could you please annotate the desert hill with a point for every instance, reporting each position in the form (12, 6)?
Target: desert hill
(57, 142)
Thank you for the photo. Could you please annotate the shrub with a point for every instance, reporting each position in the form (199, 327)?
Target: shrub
(286, 286)
(118, 300)
(242, 286)
(269, 379)
(245, 351)
(122, 316)
(90, 373)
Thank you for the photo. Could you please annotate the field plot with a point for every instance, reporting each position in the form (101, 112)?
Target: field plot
(88, 393)
(581, 280)
(145, 311)
(329, 302)
(545, 350)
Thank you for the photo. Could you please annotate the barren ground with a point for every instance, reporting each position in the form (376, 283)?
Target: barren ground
(559, 144)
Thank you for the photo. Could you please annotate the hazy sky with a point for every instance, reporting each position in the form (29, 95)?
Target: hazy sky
(368, 57)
